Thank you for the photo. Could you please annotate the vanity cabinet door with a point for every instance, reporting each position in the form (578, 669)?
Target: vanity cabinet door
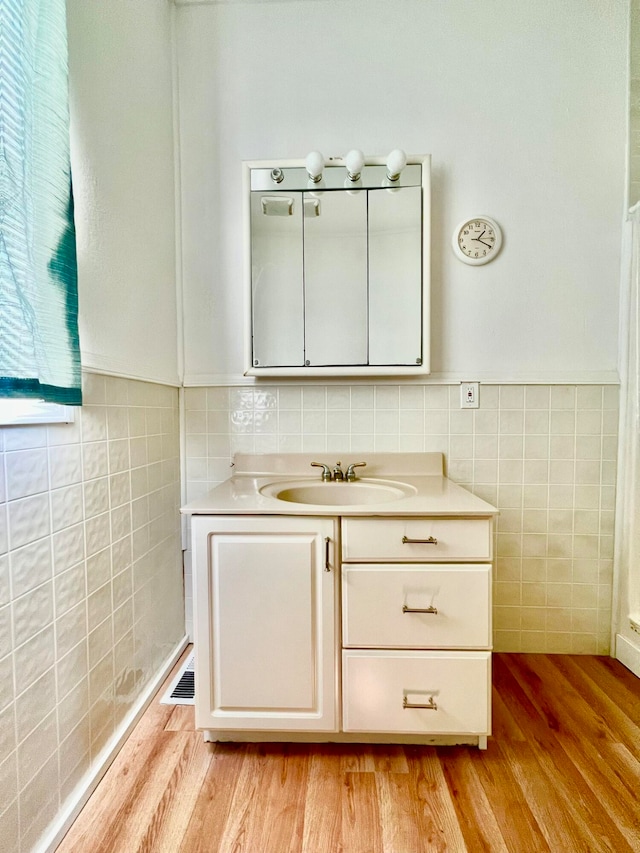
(265, 625)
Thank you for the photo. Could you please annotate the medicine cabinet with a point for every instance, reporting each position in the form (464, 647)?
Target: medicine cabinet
(337, 269)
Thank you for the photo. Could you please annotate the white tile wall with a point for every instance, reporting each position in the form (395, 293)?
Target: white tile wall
(91, 588)
(544, 455)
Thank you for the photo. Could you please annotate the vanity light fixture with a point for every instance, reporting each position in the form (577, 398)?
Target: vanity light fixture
(315, 166)
(354, 161)
(396, 161)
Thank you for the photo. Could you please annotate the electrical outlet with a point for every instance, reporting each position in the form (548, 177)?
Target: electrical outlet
(469, 395)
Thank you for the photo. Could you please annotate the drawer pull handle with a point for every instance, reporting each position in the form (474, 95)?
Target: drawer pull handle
(429, 706)
(430, 541)
(430, 609)
(327, 566)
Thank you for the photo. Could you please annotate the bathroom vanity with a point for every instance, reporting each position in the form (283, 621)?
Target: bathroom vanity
(335, 609)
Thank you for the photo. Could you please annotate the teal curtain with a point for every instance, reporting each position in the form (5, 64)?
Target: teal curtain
(39, 345)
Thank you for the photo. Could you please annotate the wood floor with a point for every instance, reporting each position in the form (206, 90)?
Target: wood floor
(561, 774)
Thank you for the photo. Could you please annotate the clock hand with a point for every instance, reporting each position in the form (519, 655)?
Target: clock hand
(480, 240)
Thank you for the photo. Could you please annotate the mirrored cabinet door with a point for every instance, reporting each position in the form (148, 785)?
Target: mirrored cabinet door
(335, 278)
(395, 276)
(277, 297)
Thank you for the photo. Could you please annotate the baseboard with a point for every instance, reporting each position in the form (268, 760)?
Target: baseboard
(87, 785)
(628, 653)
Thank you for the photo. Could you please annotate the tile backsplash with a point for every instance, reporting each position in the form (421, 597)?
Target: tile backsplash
(544, 455)
(91, 588)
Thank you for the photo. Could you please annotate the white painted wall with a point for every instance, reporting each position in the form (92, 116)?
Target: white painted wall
(120, 61)
(523, 107)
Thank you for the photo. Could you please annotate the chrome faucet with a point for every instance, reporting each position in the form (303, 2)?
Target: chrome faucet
(351, 474)
(338, 475)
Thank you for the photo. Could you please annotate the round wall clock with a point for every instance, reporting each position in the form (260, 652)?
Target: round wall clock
(477, 240)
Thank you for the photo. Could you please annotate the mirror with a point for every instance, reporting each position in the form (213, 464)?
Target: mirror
(338, 273)
(335, 280)
(277, 294)
(395, 276)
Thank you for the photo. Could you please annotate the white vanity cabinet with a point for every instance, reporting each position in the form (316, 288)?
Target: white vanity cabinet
(416, 626)
(265, 623)
(362, 617)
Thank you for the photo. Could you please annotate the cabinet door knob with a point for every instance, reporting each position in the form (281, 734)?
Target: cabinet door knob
(430, 541)
(430, 609)
(327, 566)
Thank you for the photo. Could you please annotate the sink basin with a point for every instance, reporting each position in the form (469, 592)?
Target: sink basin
(338, 494)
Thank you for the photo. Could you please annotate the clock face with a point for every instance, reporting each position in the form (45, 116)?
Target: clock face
(477, 241)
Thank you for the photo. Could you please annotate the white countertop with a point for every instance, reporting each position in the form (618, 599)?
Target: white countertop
(431, 492)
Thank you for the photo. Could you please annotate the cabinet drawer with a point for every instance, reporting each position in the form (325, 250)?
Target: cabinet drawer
(376, 686)
(381, 604)
(416, 539)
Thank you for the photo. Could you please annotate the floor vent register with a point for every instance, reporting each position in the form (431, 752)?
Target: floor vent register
(182, 689)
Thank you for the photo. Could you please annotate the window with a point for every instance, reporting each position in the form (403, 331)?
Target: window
(39, 346)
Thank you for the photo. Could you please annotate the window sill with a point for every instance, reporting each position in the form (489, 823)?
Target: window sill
(18, 412)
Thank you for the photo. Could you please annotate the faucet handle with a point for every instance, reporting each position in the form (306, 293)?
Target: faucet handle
(326, 472)
(351, 474)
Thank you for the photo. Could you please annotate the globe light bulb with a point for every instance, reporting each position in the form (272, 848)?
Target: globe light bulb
(315, 165)
(396, 161)
(354, 161)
